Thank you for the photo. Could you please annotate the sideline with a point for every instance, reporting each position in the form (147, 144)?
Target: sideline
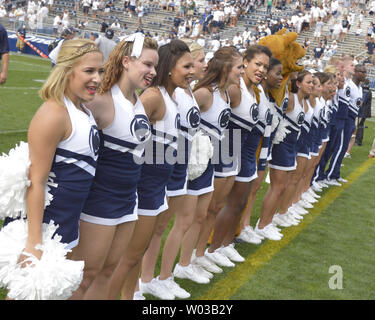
(227, 287)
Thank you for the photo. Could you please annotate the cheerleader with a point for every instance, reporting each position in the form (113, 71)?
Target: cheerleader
(58, 139)
(110, 212)
(224, 69)
(283, 160)
(303, 90)
(272, 80)
(339, 84)
(175, 69)
(338, 148)
(249, 120)
(353, 90)
(181, 203)
(326, 81)
(299, 205)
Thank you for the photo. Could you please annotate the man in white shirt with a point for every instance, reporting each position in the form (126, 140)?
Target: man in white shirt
(237, 39)
(56, 21)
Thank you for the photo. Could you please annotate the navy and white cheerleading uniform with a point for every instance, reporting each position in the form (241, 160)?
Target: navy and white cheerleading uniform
(354, 95)
(278, 113)
(338, 145)
(315, 127)
(284, 153)
(243, 120)
(214, 121)
(264, 125)
(333, 106)
(189, 124)
(72, 173)
(113, 195)
(160, 159)
(304, 141)
(324, 121)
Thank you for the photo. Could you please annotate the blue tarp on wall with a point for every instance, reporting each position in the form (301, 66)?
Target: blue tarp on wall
(37, 41)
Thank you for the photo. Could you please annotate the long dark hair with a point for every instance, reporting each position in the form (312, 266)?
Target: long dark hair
(218, 68)
(168, 57)
(300, 76)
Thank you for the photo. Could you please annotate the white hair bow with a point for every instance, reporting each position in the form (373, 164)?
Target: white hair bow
(138, 38)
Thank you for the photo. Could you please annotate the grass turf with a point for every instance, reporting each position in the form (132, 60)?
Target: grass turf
(341, 235)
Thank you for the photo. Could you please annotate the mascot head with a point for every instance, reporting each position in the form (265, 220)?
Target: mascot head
(285, 48)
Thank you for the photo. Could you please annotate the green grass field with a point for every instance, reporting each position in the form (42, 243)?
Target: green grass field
(338, 232)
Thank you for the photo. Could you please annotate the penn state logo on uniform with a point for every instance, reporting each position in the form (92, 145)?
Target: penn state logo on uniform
(347, 92)
(268, 117)
(358, 102)
(140, 127)
(254, 112)
(224, 118)
(177, 121)
(300, 118)
(193, 117)
(94, 140)
(284, 104)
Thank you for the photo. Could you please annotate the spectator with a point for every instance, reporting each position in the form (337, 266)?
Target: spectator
(56, 21)
(66, 34)
(21, 32)
(86, 4)
(364, 112)
(318, 29)
(337, 28)
(345, 27)
(370, 47)
(318, 51)
(106, 43)
(103, 26)
(4, 54)
(140, 12)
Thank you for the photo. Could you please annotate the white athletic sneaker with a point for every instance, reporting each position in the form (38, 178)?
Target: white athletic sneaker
(231, 253)
(218, 258)
(282, 220)
(305, 204)
(312, 193)
(278, 220)
(202, 271)
(334, 182)
(248, 237)
(174, 288)
(138, 296)
(316, 187)
(156, 288)
(292, 218)
(250, 230)
(299, 208)
(307, 197)
(188, 272)
(207, 264)
(322, 184)
(295, 214)
(268, 232)
(342, 180)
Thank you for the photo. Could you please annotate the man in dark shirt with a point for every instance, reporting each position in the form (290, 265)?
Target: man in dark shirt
(4, 54)
(318, 51)
(364, 112)
(370, 46)
(21, 32)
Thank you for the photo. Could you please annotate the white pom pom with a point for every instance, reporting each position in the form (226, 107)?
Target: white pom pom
(14, 170)
(14, 181)
(53, 277)
(200, 154)
(281, 132)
